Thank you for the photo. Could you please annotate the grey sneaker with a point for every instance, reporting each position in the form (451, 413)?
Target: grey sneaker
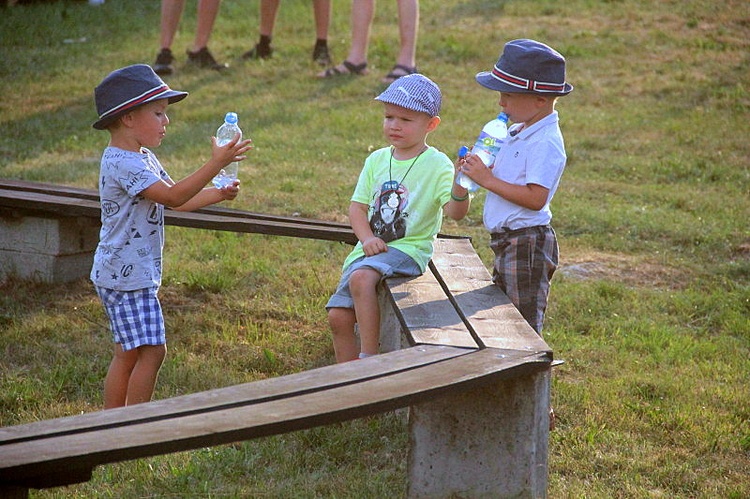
(163, 65)
(204, 59)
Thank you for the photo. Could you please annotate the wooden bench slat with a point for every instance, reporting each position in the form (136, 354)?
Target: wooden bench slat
(80, 207)
(244, 394)
(425, 312)
(20, 186)
(21, 462)
(495, 320)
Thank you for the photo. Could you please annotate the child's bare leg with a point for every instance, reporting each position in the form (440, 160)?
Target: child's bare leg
(118, 377)
(342, 322)
(145, 372)
(363, 285)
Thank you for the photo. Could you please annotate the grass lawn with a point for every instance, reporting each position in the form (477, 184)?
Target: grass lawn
(650, 308)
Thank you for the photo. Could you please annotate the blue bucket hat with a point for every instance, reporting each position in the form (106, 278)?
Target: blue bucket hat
(528, 67)
(415, 92)
(126, 88)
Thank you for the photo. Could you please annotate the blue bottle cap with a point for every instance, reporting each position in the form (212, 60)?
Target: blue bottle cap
(502, 117)
(462, 151)
(231, 118)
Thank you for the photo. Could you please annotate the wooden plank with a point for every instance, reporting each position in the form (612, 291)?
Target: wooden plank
(494, 319)
(319, 379)
(33, 202)
(426, 313)
(23, 462)
(21, 186)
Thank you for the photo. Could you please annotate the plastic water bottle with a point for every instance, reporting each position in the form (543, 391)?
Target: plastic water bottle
(225, 134)
(486, 147)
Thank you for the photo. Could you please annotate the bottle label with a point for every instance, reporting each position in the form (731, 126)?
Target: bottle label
(486, 147)
(488, 140)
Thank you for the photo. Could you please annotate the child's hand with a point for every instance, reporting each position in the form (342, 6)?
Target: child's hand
(373, 246)
(233, 150)
(229, 192)
(475, 169)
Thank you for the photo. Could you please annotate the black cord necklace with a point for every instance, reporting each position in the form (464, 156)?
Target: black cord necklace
(390, 165)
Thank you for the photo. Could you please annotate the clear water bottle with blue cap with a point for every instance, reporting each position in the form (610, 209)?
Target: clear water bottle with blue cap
(486, 147)
(225, 134)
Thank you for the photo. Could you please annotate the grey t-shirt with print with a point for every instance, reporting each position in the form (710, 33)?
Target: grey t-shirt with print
(131, 240)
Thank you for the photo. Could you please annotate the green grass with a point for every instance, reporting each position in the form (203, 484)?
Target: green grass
(650, 309)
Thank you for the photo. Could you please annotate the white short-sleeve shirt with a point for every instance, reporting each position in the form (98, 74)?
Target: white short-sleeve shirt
(533, 155)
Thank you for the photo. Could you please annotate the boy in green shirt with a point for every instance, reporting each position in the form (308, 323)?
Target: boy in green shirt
(396, 211)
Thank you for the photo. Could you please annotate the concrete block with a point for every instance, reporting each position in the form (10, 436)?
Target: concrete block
(47, 249)
(488, 442)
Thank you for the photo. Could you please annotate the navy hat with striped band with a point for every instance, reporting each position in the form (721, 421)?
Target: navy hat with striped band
(527, 67)
(127, 88)
(415, 92)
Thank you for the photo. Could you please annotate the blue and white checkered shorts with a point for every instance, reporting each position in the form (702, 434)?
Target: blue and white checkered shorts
(135, 316)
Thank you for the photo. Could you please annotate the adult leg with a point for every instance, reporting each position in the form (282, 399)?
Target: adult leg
(263, 50)
(342, 322)
(171, 12)
(361, 21)
(207, 12)
(408, 28)
(363, 285)
(145, 372)
(199, 55)
(322, 15)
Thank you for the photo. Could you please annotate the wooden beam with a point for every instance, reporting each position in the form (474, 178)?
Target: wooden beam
(25, 463)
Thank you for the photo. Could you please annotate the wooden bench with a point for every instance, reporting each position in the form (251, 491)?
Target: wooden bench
(473, 373)
(48, 233)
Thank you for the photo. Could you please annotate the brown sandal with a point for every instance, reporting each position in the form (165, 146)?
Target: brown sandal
(397, 72)
(347, 69)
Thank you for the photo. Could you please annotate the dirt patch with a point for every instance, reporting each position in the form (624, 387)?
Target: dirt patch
(630, 270)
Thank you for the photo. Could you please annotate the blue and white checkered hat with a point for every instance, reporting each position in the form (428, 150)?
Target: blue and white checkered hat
(415, 92)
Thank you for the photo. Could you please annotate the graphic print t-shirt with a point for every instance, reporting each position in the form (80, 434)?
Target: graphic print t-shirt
(406, 209)
(131, 240)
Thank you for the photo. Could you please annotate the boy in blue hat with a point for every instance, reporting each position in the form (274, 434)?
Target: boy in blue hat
(530, 77)
(396, 211)
(134, 189)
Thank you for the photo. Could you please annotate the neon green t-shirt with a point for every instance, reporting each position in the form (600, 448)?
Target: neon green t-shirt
(406, 200)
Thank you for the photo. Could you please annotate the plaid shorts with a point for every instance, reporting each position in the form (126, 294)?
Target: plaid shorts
(135, 317)
(525, 260)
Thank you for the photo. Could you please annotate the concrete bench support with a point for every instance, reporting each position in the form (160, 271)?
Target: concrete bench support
(486, 442)
(52, 250)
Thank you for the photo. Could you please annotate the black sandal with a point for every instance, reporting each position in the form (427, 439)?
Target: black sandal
(397, 72)
(350, 69)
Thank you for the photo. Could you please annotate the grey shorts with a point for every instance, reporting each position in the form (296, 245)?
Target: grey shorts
(390, 263)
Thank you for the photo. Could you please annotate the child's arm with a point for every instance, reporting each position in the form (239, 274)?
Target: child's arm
(531, 196)
(371, 244)
(209, 196)
(458, 206)
(178, 194)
